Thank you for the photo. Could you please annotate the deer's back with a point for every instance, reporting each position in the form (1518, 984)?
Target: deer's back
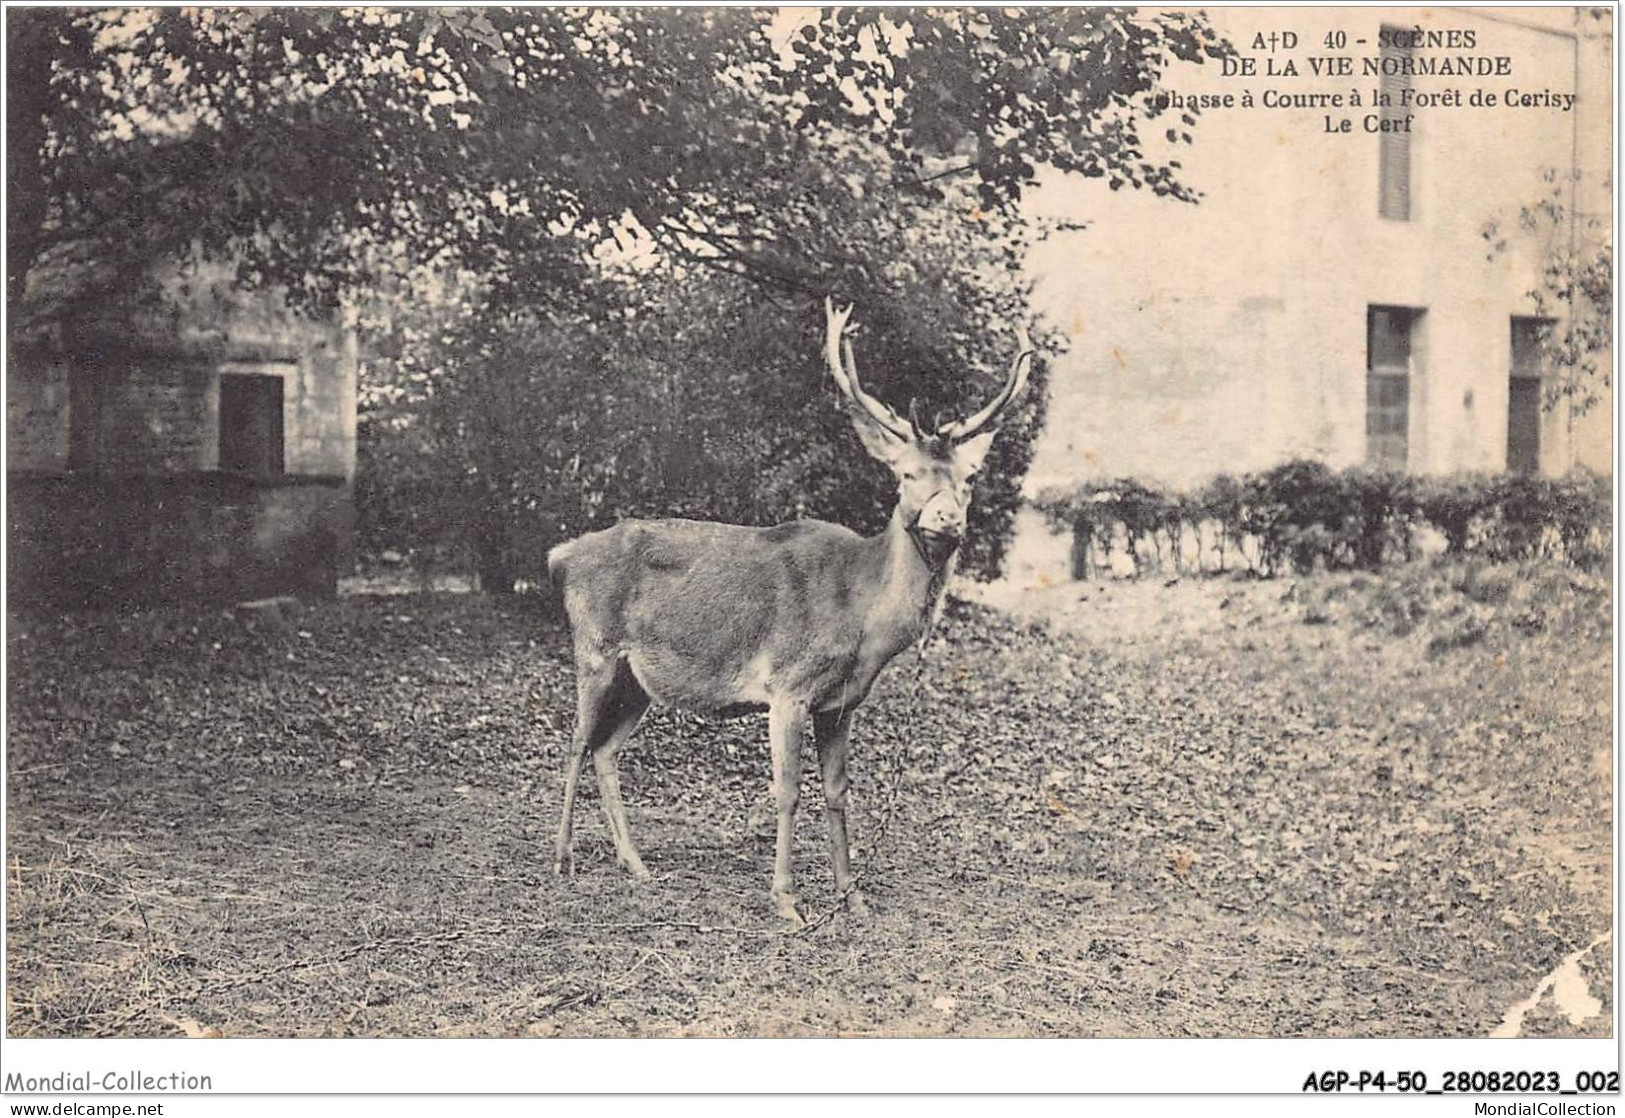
(718, 615)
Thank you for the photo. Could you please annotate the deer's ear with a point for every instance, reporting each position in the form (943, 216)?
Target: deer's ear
(879, 442)
(971, 453)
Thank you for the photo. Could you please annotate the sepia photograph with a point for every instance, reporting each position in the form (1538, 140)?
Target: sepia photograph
(857, 522)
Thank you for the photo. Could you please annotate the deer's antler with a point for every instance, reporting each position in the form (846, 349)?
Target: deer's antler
(1013, 386)
(846, 374)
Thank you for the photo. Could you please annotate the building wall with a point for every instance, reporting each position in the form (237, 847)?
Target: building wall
(148, 381)
(1231, 335)
(37, 414)
(114, 442)
(138, 412)
(78, 540)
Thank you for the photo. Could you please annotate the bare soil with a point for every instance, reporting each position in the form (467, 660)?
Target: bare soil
(1344, 806)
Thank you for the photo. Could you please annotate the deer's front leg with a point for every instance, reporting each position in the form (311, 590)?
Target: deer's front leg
(785, 725)
(833, 730)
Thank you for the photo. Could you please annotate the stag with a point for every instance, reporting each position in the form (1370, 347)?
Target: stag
(797, 620)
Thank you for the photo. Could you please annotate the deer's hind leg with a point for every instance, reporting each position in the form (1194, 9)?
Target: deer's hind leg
(594, 676)
(609, 704)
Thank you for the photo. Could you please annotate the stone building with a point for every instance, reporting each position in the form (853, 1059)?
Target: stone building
(199, 446)
(1334, 294)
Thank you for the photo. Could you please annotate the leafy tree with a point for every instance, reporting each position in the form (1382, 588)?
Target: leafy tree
(321, 148)
(703, 395)
(1000, 92)
(1575, 291)
(552, 187)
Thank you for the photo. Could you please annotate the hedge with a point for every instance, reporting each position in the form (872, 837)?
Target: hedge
(1303, 515)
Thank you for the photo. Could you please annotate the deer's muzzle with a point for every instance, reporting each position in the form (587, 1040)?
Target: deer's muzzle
(939, 528)
(943, 515)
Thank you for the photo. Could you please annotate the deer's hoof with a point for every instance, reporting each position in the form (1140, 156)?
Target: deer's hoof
(857, 906)
(788, 906)
(640, 873)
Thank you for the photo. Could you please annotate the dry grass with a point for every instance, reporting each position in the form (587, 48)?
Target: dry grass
(1165, 811)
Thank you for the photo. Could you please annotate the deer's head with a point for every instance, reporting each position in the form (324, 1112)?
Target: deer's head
(933, 469)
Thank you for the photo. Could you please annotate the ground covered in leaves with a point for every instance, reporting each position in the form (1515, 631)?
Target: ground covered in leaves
(1346, 806)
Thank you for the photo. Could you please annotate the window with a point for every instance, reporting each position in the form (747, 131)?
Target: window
(1524, 394)
(1390, 346)
(1394, 147)
(251, 423)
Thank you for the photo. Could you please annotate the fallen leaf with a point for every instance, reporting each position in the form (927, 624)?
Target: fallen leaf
(190, 1028)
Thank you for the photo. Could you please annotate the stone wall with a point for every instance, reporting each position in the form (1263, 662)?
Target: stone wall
(37, 414)
(139, 413)
(78, 540)
(114, 452)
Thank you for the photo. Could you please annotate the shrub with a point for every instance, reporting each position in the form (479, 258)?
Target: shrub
(1380, 510)
(1582, 512)
(1222, 503)
(1514, 518)
(1151, 520)
(1454, 505)
(1303, 515)
(706, 399)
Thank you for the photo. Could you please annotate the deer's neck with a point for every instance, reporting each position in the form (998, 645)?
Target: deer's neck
(908, 586)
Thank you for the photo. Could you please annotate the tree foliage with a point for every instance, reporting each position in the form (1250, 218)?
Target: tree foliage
(703, 395)
(1000, 91)
(319, 146)
(588, 238)
(1575, 292)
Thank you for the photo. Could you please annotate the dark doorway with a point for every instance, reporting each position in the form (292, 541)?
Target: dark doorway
(1390, 354)
(1524, 394)
(251, 423)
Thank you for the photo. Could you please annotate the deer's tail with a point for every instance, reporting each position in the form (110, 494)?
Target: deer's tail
(557, 559)
(557, 571)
